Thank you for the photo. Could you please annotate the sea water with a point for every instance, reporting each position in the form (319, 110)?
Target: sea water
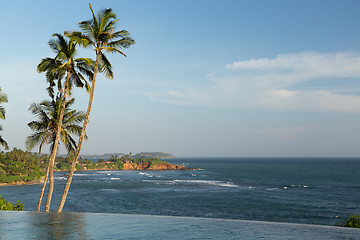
(295, 190)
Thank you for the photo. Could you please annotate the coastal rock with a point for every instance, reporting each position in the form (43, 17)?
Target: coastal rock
(157, 167)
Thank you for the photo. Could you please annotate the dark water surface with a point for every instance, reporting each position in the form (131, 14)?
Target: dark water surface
(312, 191)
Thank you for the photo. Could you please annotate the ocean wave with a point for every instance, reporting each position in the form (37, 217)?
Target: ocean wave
(84, 174)
(109, 190)
(104, 172)
(114, 178)
(287, 187)
(196, 182)
(60, 178)
(209, 182)
(145, 174)
(299, 186)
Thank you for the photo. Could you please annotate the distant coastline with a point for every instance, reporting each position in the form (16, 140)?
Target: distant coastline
(19, 167)
(135, 166)
(160, 155)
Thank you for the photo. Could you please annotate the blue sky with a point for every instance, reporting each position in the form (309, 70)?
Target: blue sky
(205, 78)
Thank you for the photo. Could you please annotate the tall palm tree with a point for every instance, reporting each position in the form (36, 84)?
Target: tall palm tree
(3, 99)
(47, 114)
(97, 33)
(63, 65)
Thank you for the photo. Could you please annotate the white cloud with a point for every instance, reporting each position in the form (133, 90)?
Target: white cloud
(272, 84)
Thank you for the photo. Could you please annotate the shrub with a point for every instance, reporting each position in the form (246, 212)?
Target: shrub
(353, 221)
(7, 206)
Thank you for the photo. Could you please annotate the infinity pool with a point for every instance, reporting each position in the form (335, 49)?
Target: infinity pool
(32, 225)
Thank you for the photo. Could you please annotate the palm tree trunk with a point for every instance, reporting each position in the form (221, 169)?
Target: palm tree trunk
(81, 139)
(43, 188)
(54, 150)
(45, 180)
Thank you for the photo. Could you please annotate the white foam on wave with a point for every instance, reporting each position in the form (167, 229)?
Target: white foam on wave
(145, 174)
(299, 186)
(109, 190)
(209, 182)
(83, 174)
(114, 178)
(169, 182)
(60, 178)
(196, 182)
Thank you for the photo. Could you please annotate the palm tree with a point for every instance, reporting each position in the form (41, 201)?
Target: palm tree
(97, 33)
(47, 114)
(64, 64)
(3, 99)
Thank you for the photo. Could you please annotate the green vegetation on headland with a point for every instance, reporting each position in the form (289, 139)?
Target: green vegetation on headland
(137, 155)
(23, 166)
(20, 166)
(118, 162)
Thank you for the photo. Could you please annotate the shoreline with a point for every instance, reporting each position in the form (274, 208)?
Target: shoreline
(37, 181)
(41, 180)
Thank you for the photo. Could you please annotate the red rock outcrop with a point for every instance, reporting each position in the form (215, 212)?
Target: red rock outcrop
(157, 167)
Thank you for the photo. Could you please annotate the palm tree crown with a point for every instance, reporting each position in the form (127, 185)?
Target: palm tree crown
(47, 114)
(98, 33)
(65, 64)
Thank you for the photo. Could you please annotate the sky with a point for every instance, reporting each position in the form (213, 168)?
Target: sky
(206, 78)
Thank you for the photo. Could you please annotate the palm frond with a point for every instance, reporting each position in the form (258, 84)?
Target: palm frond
(120, 34)
(3, 97)
(105, 66)
(125, 42)
(2, 112)
(37, 138)
(104, 17)
(78, 37)
(109, 28)
(114, 50)
(4, 143)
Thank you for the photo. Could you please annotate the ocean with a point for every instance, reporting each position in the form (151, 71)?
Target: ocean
(295, 190)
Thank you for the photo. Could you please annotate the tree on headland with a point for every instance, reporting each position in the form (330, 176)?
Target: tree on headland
(20, 166)
(47, 114)
(3, 99)
(98, 33)
(65, 67)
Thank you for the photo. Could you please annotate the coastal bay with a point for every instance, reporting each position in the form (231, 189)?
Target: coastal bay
(293, 190)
